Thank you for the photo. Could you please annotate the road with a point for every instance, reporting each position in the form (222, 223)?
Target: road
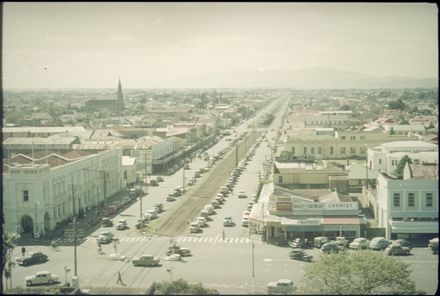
(223, 264)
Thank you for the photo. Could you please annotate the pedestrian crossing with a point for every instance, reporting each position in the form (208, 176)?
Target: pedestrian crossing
(180, 239)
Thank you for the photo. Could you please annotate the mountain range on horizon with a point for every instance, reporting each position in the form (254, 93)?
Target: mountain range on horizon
(309, 78)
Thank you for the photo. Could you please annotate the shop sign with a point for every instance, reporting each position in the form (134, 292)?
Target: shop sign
(309, 222)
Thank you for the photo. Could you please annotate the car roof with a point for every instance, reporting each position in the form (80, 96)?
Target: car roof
(286, 281)
(43, 272)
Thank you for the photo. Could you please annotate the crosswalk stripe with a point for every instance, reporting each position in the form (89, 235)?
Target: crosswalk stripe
(247, 240)
(179, 239)
(242, 240)
(236, 240)
(205, 240)
(210, 239)
(184, 239)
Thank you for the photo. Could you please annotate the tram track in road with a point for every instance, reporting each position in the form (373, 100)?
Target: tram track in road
(176, 220)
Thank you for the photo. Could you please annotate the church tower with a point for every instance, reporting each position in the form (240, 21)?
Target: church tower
(120, 100)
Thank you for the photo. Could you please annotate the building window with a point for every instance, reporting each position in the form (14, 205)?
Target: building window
(396, 200)
(125, 175)
(319, 150)
(380, 160)
(428, 200)
(362, 137)
(305, 149)
(25, 195)
(312, 150)
(352, 150)
(342, 137)
(342, 150)
(411, 199)
(293, 150)
(331, 150)
(280, 179)
(352, 137)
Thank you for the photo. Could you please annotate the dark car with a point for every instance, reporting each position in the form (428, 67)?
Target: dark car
(331, 247)
(154, 183)
(395, 249)
(301, 243)
(32, 258)
(403, 243)
(299, 254)
(159, 179)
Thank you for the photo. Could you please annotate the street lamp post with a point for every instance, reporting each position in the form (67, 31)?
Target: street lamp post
(37, 234)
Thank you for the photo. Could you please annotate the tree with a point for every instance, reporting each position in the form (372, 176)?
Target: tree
(399, 104)
(358, 273)
(401, 165)
(182, 287)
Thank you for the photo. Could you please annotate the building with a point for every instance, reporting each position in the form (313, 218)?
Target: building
(129, 167)
(43, 132)
(109, 104)
(408, 208)
(348, 144)
(41, 191)
(281, 216)
(385, 157)
(305, 174)
(339, 120)
(405, 129)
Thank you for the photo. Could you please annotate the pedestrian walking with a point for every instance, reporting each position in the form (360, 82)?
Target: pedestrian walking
(223, 235)
(120, 279)
(99, 247)
(23, 251)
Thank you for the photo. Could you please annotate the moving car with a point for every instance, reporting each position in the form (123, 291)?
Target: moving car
(396, 249)
(227, 221)
(116, 257)
(359, 243)
(184, 252)
(32, 258)
(172, 257)
(241, 194)
(105, 237)
(122, 225)
(282, 286)
(154, 183)
(299, 254)
(41, 278)
(379, 243)
(159, 179)
(138, 224)
(145, 260)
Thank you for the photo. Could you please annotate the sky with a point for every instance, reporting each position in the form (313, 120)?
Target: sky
(166, 45)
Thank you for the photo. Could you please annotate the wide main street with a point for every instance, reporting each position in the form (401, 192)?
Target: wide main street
(228, 259)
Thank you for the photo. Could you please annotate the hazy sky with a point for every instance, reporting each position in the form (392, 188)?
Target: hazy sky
(153, 45)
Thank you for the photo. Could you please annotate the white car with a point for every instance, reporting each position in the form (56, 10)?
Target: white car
(41, 278)
(105, 237)
(241, 194)
(194, 227)
(116, 257)
(152, 214)
(202, 221)
(282, 286)
(359, 243)
(172, 257)
(245, 222)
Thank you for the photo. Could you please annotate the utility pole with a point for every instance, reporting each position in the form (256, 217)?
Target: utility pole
(74, 229)
(183, 173)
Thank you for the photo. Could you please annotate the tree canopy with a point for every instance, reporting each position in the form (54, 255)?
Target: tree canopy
(182, 287)
(401, 165)
(358, 273)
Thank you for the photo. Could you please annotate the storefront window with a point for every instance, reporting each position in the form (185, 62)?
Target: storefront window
(396, 199)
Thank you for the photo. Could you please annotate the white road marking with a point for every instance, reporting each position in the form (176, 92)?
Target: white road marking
(210, 240)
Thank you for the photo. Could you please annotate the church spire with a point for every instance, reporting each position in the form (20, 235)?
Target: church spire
(120, 100)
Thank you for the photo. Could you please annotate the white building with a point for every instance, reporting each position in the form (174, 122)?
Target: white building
(384, 158)
(129, 167)
(39, 193)
(408, 207)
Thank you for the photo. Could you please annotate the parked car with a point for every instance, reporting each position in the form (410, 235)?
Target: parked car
(194, 227)
(299, 254)
(396, 249)
(433, 245)
(245, 221)
(282, 286)
(159, 179)
(202, 221)
(152, 213)
(158, 207)
(402, 242)
(126, 200)
(342, 241)
(138, 224)
(300, 243)
(359, 243)
(41, 278)
(184, 252)
(106, 222)
(154, 183)
(319, 241)
(379, 243)
(32, 258)
(227, 221)
(331, 247)
(145, 260)
(170, 198)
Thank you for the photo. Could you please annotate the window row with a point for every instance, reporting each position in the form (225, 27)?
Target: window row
(411, 200)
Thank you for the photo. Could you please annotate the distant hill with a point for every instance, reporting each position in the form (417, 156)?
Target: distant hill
(310, 78)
